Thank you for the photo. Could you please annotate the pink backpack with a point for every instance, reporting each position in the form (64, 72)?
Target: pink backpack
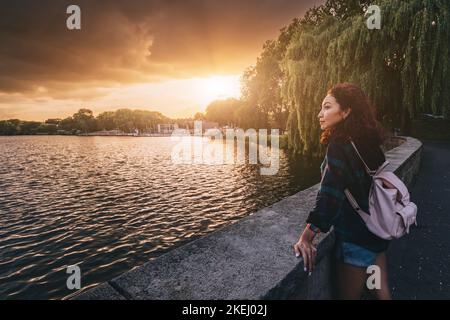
(391, 212)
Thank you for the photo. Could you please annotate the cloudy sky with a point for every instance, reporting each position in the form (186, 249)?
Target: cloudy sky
(172, 56)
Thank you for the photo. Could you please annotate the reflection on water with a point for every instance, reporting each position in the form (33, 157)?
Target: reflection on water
(111, 203)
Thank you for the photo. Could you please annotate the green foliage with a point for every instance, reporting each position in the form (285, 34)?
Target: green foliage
(261, 84)
(106, 120)
(18, 127)
(199, 116)
(404, 66)
(249, 115)
(84, 121)
(222, 111)
(8, 127)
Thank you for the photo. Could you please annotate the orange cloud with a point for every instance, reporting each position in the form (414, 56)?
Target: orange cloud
(122, 43)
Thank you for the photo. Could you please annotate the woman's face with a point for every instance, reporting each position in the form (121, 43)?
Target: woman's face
(331, 113)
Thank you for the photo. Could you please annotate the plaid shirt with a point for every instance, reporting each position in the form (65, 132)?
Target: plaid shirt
(341, 169)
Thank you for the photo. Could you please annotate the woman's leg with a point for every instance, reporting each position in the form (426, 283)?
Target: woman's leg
(351, 281)
(384, 293)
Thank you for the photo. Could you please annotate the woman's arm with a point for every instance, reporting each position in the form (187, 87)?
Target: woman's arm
(329, 201)
(331, 196)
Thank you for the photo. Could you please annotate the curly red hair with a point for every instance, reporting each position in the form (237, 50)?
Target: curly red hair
(361, 123)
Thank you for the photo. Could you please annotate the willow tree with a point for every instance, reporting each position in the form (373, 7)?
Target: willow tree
(404, 66)
(261, 83)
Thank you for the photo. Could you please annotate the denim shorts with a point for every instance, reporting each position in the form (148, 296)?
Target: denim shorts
(355, 255)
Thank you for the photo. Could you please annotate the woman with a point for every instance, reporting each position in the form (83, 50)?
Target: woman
(346, 114)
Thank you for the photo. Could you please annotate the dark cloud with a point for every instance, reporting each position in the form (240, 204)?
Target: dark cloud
(132, 41)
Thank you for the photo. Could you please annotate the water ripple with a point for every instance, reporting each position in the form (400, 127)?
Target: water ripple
(108, 204)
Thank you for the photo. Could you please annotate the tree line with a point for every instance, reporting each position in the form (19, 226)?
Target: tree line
(227, 112)
(84, 121)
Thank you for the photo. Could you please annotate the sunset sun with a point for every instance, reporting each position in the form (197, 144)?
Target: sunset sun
(220, 87)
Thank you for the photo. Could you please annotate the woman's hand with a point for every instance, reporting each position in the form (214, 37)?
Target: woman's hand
(305, 247)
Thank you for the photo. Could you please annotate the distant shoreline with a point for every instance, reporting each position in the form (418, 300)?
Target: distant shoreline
(283, 143)
(108, 135)
(91, 135)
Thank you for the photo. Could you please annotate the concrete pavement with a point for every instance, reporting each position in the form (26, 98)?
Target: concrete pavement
(419, 263)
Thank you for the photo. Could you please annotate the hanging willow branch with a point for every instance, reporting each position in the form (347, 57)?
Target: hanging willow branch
(404, 66)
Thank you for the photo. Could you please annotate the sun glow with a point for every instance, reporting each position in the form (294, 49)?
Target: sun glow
(174, 98)
(220, 87)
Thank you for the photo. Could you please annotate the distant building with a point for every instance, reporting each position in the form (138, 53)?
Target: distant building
(205, 125)
(167, 128)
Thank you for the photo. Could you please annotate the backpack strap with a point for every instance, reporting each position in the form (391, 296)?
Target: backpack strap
(354, 203)
(370, 172)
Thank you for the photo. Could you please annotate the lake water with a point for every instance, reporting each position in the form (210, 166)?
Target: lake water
(109, 204)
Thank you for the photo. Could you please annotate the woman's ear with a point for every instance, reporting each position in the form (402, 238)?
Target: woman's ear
(347, 112)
